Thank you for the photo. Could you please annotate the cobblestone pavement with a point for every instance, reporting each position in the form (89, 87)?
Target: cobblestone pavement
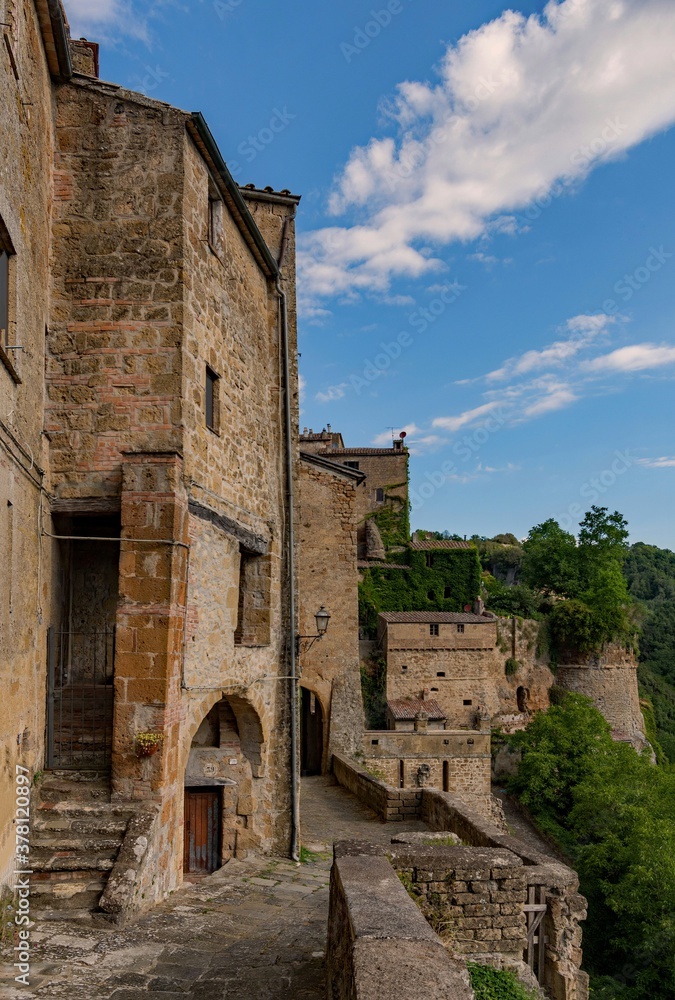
(255, 930)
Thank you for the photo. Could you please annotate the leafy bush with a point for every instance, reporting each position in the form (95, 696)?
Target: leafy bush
(511, 666)
(497, 984)
(614, 812)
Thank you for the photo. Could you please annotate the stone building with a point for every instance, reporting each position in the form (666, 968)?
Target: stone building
(384, 499)
(331, 704)
(149, 382)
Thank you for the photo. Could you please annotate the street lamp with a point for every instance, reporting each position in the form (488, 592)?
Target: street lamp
(305, 642)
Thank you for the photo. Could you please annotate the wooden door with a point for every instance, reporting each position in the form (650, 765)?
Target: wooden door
(202, 822)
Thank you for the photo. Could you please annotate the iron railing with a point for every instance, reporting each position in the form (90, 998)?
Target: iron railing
(80, 698)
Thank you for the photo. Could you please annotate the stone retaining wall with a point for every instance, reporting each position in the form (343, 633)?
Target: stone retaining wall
(434, 874)
(380, 947)
(390, 804)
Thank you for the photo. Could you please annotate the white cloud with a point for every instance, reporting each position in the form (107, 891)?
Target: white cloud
(557, 397)
(583, 329)
(332, 393)
(523, 107)
(634, 358)
(465, 419)
(665, 462)
(104, 20)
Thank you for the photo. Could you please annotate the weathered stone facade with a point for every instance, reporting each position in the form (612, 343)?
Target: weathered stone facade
(145, 294)
(327, 575)
(386, 471)
(26, 143)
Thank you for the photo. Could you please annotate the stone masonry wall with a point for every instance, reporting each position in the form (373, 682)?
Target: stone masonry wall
(26, 141)
(114, 364)
(457, 762)
(474, 897)
(328, 575)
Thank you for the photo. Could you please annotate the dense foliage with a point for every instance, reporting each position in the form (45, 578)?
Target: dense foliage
(496, 984)
(650, 572)
(452, 581)
(586, 576)
(614, 813)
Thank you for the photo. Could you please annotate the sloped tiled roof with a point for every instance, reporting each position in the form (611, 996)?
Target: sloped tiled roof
(380, 564)
(405, 709)
(435, 543)
(436, 617)
(363, 451)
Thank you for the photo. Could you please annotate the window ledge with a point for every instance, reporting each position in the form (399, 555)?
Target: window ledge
(9, 365)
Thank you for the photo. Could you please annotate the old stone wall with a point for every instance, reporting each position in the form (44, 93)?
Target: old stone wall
(474, 896)
(457, 762)
(559, 885)
(380, 947)
(391, 804)
(613, 687)
(461, 681)
(114, 360)
(328, 575)
(26, 141)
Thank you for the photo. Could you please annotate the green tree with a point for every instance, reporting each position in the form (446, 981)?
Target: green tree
(550, 561)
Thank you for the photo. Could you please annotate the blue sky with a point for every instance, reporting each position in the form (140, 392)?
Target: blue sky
(486, 234)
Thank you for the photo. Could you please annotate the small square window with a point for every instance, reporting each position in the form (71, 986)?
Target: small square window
(460, 628)
(467, 701)
(404, 667)
(352, 465)
(441, 673)
(211, 400)
(433, 629)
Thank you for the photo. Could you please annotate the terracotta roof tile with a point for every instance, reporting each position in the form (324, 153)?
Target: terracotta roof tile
(405, 709)
(436, 617)
(435, 543)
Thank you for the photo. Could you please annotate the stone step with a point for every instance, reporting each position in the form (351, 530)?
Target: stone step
(62, 789)
(70, 841)
(73, 809)
(66, 893)
(47, 859)
(62, 824)
(63, 774)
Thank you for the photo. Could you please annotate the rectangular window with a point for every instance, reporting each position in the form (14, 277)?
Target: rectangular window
(352, 465)
(429, 560)
(460, 628)
(4, 297)
(211, 404)
(441, 673)
(433, 629)
(467, 701)
(379, 496)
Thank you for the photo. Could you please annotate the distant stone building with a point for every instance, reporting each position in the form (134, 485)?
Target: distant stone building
(384, 499)
(331, 703)
(147, 308)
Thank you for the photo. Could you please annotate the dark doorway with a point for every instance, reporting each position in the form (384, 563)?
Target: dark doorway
(81, 642)
(202, 824)
(311, 733)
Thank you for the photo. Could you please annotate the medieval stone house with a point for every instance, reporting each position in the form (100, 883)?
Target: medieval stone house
(148, 391)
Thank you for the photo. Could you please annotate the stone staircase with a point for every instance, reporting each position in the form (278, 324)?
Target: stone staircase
(76, 834)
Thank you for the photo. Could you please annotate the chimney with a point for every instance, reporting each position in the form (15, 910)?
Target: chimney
(426, 693)
(304, 432)
(398, 444)
(478, 606)
(84, 55)
(329, 428)
(421, 723)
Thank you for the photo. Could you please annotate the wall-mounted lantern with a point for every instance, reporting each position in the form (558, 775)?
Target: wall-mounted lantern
(305, 642)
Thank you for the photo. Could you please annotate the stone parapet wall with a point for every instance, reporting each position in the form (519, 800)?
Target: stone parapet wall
(390, 804)
(380, 947)
(474, 896)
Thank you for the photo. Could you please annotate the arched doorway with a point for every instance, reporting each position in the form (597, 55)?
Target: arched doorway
(522, 699)
(311, 733)
(223, 760)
